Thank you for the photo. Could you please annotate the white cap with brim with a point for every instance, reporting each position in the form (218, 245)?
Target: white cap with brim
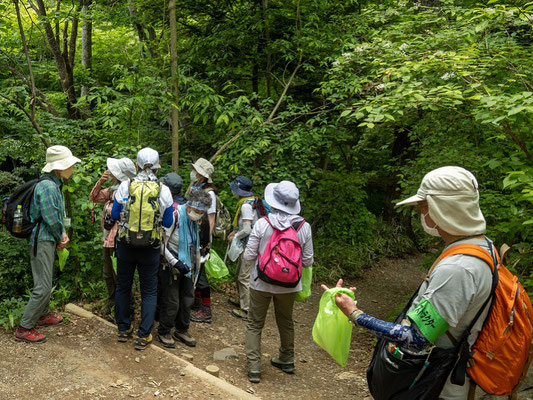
(148, 156)
(452, 195)
(204, 168)
(283, 196)
(59, 158)
(122, 169)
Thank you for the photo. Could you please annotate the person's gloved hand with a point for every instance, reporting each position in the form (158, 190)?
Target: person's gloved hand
(183, 268)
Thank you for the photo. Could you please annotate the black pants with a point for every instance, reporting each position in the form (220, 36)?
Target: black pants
(176, 297)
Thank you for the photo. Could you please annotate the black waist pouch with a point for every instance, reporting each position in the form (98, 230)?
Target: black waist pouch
(409, 378)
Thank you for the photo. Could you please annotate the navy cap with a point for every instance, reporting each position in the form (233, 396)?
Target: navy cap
(241, 186)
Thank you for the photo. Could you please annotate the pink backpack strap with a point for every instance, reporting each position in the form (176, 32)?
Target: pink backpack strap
(298, 227)
(267, 220)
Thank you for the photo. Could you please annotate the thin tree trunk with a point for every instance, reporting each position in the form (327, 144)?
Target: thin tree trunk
(175, 91)
(268, 69)
(64, 61)
(86, 42)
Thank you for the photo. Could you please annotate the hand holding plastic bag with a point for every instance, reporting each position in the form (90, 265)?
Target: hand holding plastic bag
(215, 267)
(307, 279)
(235, 249)
(332, 330)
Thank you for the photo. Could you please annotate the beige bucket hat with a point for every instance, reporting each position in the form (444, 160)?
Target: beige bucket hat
(204, 168)
(59, 158)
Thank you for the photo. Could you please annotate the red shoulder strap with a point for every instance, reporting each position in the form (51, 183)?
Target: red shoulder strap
(267, 220)
(467, 249)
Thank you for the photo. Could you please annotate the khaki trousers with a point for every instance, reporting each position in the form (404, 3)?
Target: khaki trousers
(242, 274)
(259, 303)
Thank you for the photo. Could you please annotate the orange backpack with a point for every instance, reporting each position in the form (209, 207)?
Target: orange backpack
(500, 357)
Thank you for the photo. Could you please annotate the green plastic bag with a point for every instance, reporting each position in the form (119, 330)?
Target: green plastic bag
(307, 279)
(114, 262)
(215, 267)
(332, 331)
(62, 257)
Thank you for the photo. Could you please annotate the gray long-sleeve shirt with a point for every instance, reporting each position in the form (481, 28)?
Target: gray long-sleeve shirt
(258, 240)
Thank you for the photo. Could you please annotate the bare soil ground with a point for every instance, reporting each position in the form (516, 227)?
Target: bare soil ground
(82, 359)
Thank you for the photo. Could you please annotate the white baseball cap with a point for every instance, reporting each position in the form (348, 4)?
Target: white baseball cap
(59, 158)
(148, 156)
(452, 194)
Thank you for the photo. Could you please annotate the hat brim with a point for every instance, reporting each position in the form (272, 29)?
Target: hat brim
(201, 171)
(112, 166)
(61, 164)
(411, 201)
(272, 202)
(238, 191)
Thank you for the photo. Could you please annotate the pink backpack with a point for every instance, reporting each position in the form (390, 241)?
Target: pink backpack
(281, 262)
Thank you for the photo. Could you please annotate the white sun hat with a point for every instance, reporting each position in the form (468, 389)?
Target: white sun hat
(204, 168)
(122, 169)
(59, 158)
(452, 194)
(148, 156)
(283, 196)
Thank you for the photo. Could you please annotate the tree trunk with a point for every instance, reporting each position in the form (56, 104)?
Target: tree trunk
(175, 92)
(64, 60)
(266, 31)
(86, 42)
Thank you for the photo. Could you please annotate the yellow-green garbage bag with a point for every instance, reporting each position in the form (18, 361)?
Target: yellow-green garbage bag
(114, 262)
(332, 330)
(307, 279)
(62, 256)
(215, 267)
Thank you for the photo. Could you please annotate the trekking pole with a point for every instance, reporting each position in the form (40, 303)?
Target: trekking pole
(226, 255)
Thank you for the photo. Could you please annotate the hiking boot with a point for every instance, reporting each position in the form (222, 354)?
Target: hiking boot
(254, 376)
(288, 368)
(123, 336)
(167, 340)
(202, 315)
(240, 313)
(29, 335)
(49, 319)
(142, 342)
(234, 301)
(185, 337)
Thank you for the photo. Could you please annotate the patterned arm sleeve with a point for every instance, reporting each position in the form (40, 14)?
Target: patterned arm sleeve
(99, 195)
(408, 337)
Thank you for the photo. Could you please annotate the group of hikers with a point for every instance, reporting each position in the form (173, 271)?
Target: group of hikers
(150, 226)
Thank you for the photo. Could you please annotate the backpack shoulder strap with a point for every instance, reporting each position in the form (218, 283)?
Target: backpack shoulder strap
(469, 250)
(297, 225)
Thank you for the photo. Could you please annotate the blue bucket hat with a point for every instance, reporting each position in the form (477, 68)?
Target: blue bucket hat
(241, 186)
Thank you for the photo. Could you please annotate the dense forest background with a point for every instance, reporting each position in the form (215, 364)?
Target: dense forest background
(354, 101)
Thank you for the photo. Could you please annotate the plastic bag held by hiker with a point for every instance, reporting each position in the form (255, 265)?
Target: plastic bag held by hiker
(448, 338)
(332, 331)
(279, 247)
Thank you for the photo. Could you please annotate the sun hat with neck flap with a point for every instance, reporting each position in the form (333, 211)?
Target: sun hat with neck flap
(283, 196)
(122, 169)
(452, 195)
(59, 158)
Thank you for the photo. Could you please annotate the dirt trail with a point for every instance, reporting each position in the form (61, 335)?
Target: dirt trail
(82, 359)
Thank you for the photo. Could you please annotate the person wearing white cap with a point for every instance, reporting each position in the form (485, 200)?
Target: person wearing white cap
(118, 170)
(457, 287)
(144, 259)
(201, 179)
(48, 209)
(283, 197)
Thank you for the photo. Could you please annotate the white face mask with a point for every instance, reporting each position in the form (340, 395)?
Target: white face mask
(430, 231)
(193, 176)
(194, 216)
